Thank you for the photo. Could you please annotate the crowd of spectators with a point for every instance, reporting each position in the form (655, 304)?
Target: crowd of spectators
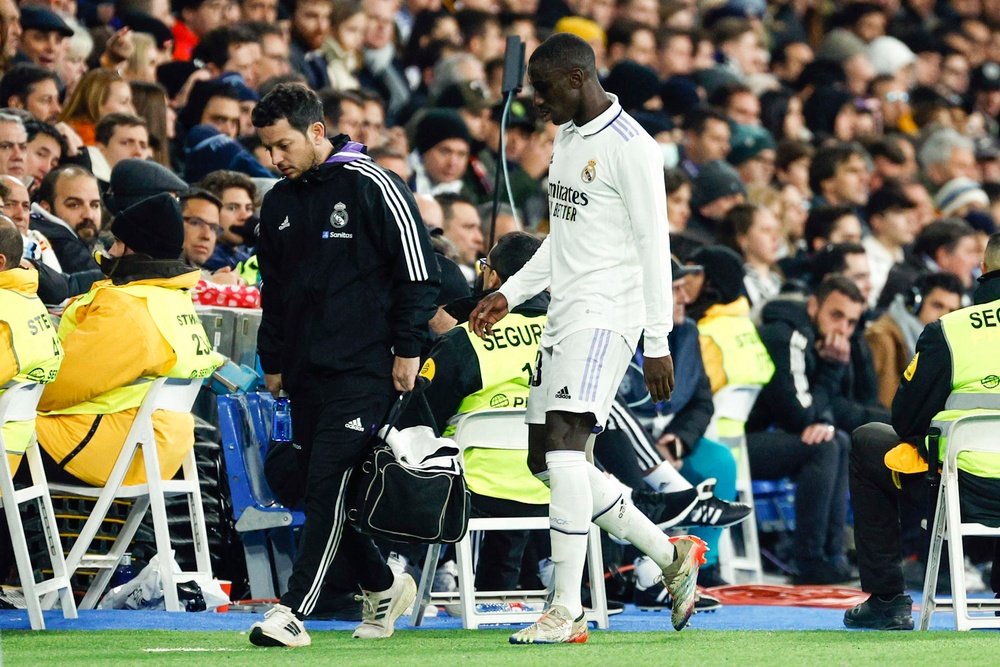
(835, 165)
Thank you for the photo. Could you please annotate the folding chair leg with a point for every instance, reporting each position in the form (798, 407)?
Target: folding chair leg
(51, 529)
(23, 559)
(258, 559)
(283, 550)
(934, 561)
(426, 584)
(196, 509)
(956, 557)
(466, 582)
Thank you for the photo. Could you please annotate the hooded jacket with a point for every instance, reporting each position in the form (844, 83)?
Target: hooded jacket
(348, 273)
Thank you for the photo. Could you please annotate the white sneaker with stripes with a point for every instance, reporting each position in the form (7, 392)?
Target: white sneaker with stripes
(380, 609)
(280, 627)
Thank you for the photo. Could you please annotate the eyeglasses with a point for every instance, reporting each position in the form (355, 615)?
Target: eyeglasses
(213, 227)
(897, 96)
(483, 265)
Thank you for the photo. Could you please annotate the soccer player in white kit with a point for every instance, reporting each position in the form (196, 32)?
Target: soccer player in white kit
(606, 262)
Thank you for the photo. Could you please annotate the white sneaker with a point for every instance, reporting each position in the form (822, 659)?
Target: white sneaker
(380, 609)
(556, 626)
(446, 578)
(280, 627)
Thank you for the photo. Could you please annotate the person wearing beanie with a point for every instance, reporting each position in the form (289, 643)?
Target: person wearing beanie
(959, 196)
(634, 84)
(891, 56)
(714, 192)
(84, 415)
(843, 47)
(441, 156)
(753, 154)
(133, 180)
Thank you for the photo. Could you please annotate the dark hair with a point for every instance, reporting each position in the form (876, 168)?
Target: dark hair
(929, 282)
(270, 84)
(696, 119)
(47, 188)
(202, 93)
(730, 28)
(106, 126)
(665, 35)
(941, 234)
(737, 223)
(836, 282)
(822, 220)
(773, 109)
(214, 47)
(218, 181)
(448, 200)
(622, 30)
(992, 190)
(331, 100)
(722, 94)
(20, 79)
(564, 51)
(261, 29)
(887, 147)
(826, 162)
(790, 150)
(511, 252)
(675, 179)
(295, 102)
(11, 244)
(474, 23)
(35, 127)
(199, 193)
(833, 259)
(890, 197)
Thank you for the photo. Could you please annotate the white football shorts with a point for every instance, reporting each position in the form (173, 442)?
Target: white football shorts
(579, 374)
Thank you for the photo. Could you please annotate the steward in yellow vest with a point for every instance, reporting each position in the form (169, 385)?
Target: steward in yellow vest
(955, 372)
(29, 347)
(118, 337)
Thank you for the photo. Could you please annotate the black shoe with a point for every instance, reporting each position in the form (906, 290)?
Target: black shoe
(822, 573)
(710, 576)
(665, 509)
(656, 598)
(877, 614)
(714, 512)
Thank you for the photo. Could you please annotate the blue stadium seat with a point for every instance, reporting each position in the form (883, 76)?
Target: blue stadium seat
(264, 524)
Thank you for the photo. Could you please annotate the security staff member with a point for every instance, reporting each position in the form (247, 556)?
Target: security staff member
(952, 373)
(348, 286)
(469, 374)
(85, 414)
(30, 350)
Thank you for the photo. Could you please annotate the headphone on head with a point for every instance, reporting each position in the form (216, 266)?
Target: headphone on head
(915, 297)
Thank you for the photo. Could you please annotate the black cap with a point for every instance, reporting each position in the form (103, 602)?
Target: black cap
(440, 125)
(633, 83)
(715, 180)
(723, 270)
(678, 270)
(153, 227)
(133, 180)
(39, 18)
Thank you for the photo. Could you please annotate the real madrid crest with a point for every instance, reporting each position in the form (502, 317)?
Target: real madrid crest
(589, 172)
(339, 216)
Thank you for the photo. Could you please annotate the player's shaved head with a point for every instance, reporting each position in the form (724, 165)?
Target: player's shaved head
(563, 52)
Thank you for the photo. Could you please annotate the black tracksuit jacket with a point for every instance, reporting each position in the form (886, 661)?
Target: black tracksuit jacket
(348, 275)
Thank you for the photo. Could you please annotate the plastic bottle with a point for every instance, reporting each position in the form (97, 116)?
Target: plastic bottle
(124, 573)
(281, 420)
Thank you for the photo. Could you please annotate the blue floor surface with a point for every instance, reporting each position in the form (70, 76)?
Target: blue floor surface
(632, 620)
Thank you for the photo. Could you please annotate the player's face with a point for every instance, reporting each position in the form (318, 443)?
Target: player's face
(556, 94)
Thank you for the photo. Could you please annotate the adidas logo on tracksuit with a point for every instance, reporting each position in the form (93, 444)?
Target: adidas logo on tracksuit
(355, 425)
(563, 393)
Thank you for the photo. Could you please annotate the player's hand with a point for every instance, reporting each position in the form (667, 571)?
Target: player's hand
(672, 449)
(835, 348)
(816, 434)
(272, 381)
(490, 310)
(659, 372)
(404, 372)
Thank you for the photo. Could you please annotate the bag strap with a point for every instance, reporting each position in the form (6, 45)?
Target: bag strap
(399, 407)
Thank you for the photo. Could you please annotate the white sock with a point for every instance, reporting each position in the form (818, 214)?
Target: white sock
(666, 479)
(569, 518)
(615, 513)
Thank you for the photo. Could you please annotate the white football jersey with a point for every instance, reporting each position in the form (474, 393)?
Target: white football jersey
(607, 257)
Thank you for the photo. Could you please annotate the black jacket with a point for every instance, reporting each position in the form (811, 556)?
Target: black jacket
(72, 252)
(348, 274)
(858, 404)
(924, 394)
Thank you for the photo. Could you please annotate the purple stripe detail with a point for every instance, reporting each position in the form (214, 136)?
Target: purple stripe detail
(614, 126)
(590, 361)
(620, 111)
(626, 128)
(595, 373)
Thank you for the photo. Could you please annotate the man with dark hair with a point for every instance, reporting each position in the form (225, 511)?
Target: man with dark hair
(890, 216)
(831, 224)
(630, 40)
(462, 227)
(356, 230)
(33, 88)
(233, 48)
(893, 336)
(69, 215)
(482, 35)
(343, 112)
(888, 464)
(213, 103)
(46, 147)
(737, 102)
(238, 195)
(793, 428)
(838, 176)
(200, 213)
(196, 19)
(706, 138)
(120, 136)
(608, 227)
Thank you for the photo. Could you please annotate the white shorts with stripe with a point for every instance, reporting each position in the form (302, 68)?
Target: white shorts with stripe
(579, 374)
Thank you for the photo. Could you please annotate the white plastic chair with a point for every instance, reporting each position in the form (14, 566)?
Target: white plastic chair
(972, 433)
(19, 403)
(733, 404)
(165, 394)
(502, 429)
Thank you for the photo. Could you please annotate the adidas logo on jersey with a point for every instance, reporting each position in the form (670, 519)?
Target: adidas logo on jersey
(355, 425)
(284, 224)
(563, 393)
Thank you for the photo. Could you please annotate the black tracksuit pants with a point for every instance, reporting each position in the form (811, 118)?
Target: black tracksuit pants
(325, 423)
(820, 474)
